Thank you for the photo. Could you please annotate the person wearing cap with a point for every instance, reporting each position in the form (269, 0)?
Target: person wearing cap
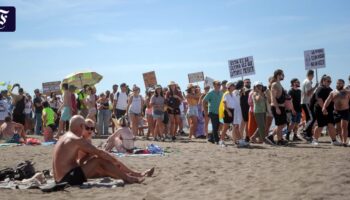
(295, 94)
(173, 99)
(259, 111)
(206, 117)
(158, 103)
(120, 101)
(38, 109)
(66, 110)
(135, 106)
(211, 101)
(18, 101)
(230, 104)
(192, 112)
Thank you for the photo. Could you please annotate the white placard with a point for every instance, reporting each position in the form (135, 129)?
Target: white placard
(208, 82)
(241, 67)
(49, 87)
(315, 59)
(195, 77)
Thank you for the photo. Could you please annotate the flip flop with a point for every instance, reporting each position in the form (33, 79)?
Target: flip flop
(54, 187)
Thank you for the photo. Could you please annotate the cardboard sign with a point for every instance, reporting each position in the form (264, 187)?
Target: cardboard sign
(195, 77)
(150, 79)
(315, 59)
(208, 82)
(241, 67)
(49, 87)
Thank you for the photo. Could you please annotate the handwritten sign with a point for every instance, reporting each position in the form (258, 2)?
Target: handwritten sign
(241, 67)
(195, 77)
(208, 82)
(49, 87)
(315, 59)
(150, 79)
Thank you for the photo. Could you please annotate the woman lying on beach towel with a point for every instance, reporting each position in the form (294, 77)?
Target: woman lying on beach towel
(122, 140)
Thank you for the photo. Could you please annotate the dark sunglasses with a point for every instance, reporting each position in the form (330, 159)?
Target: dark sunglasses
(89, 128)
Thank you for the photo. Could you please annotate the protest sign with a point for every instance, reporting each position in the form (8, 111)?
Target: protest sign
(150, 79)
(49, 87)
(195, 77)
(241, 67)
(315, 59)
(208, 82)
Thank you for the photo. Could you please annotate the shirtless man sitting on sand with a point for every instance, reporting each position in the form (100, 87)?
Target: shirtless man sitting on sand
(341, 98)
(12, 131)
(67, 169)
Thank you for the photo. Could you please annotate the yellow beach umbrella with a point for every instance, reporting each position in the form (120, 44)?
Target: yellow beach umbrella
(79, 79)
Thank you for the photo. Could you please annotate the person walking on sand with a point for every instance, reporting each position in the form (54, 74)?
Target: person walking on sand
(340, 97)
(212, 102)
(295, 94)
(66, 169)
(324, 113)
(260, 101)
(192, 112)
(278, 98)
(158, 102)
(173, 99)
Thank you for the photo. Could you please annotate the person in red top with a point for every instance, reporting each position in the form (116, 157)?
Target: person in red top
(173, 99)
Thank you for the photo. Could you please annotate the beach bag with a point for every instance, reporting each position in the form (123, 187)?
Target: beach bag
(6, 173)
(128, 140)
(24, 170)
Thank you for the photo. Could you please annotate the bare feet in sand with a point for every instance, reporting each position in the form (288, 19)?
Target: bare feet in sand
(134, 179)
(148, 172)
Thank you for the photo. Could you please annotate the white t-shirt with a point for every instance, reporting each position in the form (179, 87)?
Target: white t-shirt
(238, 112)
(3, 110)
(306, 86)
(122, 100)
(231, 101)
(28, 107)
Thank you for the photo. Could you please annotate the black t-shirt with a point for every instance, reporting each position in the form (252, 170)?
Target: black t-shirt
(296, 99)
(244, 101)
(323, 94)
(38, 109)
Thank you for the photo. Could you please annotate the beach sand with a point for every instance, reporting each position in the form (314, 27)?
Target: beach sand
(200, 170)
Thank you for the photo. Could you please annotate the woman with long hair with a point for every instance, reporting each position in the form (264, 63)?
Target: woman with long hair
(192, 112)
(157, 102)
(173, 100)
(134, 108)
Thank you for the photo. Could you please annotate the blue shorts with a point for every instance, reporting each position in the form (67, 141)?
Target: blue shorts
(192, 111)
(66, 114)
(296, 118)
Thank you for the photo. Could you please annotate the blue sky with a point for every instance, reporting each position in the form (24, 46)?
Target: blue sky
(121, 39)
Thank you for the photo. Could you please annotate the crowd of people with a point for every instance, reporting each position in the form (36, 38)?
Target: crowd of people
(245, 109)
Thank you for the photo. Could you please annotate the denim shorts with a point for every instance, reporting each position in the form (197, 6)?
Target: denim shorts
(192, 111)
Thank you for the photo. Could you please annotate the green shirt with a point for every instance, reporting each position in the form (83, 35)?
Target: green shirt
(81, 97)
(213, 98)
(259, 106)
(50, 116)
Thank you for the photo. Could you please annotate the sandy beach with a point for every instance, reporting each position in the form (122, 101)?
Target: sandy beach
(199, 170)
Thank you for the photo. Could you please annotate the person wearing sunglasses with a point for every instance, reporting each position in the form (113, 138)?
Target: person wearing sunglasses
(66, 169)
(324, 113)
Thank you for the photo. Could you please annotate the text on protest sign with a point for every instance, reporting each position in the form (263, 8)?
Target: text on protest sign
(150, 79)
(315, 59)
(208, 82)
(241, 67)
(195, 77)
(49, 87)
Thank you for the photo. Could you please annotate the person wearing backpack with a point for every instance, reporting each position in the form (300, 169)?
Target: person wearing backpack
(81, 105)
(120, 102)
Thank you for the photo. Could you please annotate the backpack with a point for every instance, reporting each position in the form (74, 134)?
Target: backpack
(24, 170)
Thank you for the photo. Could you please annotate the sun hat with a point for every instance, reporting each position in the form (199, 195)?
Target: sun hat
(229, 84)
(172, 83)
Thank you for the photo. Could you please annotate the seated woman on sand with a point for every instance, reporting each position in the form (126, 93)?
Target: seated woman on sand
(123, 139)
(12, 132)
